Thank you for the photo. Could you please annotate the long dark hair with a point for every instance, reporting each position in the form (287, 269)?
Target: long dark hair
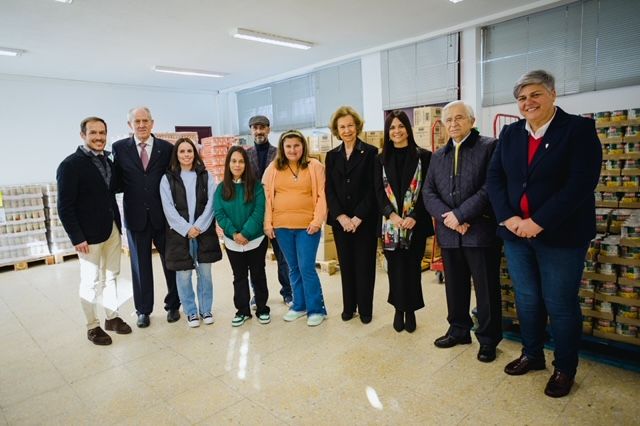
(174, 163)
(388, 144)
(281, 158)
(248, 178)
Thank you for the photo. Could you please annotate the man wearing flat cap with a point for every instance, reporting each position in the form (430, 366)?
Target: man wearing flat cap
(261, 154)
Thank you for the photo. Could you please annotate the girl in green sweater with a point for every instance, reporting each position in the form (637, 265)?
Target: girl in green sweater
(239, 210)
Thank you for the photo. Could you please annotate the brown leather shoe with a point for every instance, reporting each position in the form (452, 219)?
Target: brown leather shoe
(98, 336)
(559, 385)
(523, 365)
(117, 325)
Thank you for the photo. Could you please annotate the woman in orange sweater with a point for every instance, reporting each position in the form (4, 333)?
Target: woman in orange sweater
(295, 210)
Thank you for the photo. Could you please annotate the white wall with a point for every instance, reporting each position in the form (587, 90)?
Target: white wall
(40, 119)
(372, 92)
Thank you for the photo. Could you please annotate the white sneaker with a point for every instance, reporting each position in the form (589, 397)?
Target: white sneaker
(193, 321)
(264, 318)
(315, 319)
(292, 315)
(207, 318)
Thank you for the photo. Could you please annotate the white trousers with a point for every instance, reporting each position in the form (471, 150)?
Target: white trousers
(99, 271)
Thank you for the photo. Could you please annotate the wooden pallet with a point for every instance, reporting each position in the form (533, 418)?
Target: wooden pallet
(328, 266)
(60, 257)
(24, 265)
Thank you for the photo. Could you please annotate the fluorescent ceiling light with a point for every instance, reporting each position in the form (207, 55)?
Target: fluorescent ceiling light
(271, 39)
(64, 1)
(184, 71)
(7, 51)
(455, 1)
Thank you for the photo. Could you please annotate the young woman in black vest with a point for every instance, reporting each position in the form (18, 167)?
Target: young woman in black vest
(187, 200)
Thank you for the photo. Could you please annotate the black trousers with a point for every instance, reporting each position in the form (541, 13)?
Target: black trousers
(242, 263)
(357, 257)
(483, 264)
(142, 271)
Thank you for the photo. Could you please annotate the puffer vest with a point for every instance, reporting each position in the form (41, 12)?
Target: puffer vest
(177, 255)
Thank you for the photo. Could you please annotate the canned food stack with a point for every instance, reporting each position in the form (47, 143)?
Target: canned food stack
(213, 153)
(23, 236)
(59, 242)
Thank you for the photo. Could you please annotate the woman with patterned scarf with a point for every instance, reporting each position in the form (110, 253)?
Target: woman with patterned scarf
(400, 174)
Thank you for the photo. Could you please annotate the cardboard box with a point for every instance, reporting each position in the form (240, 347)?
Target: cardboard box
(320, 143)
(375, 138)
(423, 136)
(327, 251)
(426, 115)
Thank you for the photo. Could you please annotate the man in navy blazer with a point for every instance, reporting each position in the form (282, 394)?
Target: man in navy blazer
(141, 161)
(89, 213)
(540, 183)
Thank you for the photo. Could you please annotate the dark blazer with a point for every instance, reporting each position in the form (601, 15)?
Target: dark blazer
(141, 188)
(559, 182)
(465, 193)
(348, 186)
(252, 153)
(424, 223)
(86, 204)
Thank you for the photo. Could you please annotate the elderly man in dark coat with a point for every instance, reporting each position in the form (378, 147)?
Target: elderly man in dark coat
(455, 195)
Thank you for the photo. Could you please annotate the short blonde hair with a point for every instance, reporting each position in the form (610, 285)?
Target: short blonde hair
(345, 111)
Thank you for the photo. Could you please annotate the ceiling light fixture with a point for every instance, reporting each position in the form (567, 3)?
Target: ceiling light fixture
(185, 71)
(64, 1)
(271, 39)
(7, 51)
(455, 1)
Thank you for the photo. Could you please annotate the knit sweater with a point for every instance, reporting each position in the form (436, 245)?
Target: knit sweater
(235, 215)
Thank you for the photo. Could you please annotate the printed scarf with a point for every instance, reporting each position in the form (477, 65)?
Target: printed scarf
(392, 236)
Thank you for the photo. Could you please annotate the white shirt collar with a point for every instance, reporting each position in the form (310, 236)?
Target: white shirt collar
(464, 139)
(149, 141)
(542, 130)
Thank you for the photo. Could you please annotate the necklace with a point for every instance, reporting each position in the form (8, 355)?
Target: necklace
(295, 175)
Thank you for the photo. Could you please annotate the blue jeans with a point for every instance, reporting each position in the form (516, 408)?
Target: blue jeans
(300, 250)
(546, 282)
(204, 285)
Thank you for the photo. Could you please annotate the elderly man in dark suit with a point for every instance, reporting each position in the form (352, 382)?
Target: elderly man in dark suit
(89, 213)
(455, 195)
(261, 154)
(141, 160)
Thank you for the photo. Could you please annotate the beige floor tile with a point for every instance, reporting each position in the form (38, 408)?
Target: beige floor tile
(22, 346)
(157, 415)
(39, 409)
(204, 400)
(114, 394)
(26, 378)
(84, 359)
(243, 412)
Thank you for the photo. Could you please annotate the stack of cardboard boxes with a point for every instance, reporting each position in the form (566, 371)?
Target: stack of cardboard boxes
(428, 131)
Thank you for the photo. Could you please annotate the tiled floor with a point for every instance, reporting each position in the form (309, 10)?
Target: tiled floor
(281, 373)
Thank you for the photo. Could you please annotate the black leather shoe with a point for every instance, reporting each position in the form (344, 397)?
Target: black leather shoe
(117, 325)
(143, 320)
(346, 316)
(559, 385)
(523, 365)
(398, 321)
(487, 353)
(448, 341)
(410, 321)
(98, 336)
(173, 315)
(366, 319)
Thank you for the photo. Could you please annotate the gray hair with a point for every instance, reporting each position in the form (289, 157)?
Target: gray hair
(133, 110)
(541, 77)
(450, 105)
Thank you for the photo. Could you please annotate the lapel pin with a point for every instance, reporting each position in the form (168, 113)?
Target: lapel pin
(546, 145)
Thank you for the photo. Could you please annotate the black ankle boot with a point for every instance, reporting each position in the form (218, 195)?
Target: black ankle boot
(398, 321)
(410, 322)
